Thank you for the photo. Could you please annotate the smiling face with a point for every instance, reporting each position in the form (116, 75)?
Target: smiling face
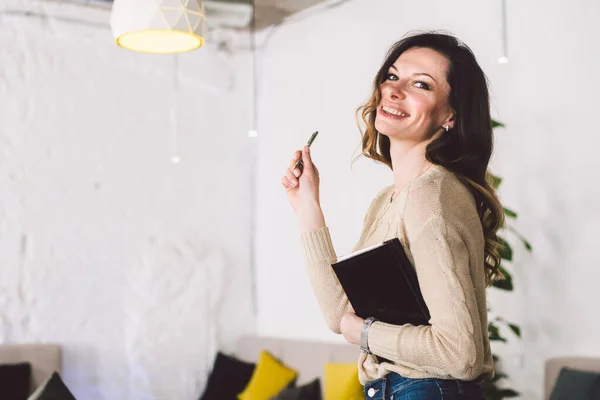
(414, 97)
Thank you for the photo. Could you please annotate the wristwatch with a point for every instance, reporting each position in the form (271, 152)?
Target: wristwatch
(364, 335)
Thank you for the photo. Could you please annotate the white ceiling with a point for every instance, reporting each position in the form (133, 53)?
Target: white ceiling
(272, 12)
(268, 12)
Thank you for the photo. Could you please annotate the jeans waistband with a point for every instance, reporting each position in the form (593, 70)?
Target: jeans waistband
(380, 388)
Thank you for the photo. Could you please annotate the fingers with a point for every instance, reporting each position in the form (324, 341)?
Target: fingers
(286, 183)
(291, 177)
(296, 163)
(306, 157)
(297, 156)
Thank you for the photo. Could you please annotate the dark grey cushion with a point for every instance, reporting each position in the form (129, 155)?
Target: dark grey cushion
(228, 378)
(15, 381)
(574, 384)
(52, 389)
(309, 391)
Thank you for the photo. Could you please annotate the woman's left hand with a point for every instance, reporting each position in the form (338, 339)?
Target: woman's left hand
(351, 327)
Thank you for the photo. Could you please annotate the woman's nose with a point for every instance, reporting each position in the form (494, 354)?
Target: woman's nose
(393, 92)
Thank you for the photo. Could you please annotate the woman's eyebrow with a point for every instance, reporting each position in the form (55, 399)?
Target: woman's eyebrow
(417, 73)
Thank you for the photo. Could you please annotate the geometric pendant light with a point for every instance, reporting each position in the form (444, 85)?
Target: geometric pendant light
(159, 26)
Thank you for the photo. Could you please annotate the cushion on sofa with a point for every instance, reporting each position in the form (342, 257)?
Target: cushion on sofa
(573, 384)
(309, 391)
(15, 381)
(228, 378)
(270, 377)
(52, 389)
(341, 382)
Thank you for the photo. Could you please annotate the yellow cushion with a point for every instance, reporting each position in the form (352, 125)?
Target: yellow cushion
(268, 379)
(341, 382)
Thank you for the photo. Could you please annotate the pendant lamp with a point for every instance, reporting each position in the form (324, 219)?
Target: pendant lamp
(159, 26)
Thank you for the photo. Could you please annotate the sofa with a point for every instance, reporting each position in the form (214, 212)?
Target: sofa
(306, 356)
(45, 359)
(554, 365)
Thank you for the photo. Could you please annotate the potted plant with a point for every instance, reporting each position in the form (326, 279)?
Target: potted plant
(492, 390)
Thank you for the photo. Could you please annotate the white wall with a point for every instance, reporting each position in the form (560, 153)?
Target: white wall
(315, 72)
(140, 268)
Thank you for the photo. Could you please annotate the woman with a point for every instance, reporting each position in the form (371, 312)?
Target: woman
(429, 121)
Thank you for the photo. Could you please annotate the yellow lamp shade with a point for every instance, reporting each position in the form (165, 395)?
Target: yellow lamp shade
(159, 26)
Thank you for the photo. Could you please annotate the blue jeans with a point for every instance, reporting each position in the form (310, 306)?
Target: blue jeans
(396, 387)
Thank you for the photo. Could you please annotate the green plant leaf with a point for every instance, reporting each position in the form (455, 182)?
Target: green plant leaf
(494, 333)
(495, 358)
(490, 392)
(506, 252)
(516, 329)
(506, 283)
(509, 213)
(507, 275)
(523, 240)
(494, 180)
(498, 376)
(497, 124)
(508, 393)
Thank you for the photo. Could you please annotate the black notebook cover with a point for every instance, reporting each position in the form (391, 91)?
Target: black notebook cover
(382, 283)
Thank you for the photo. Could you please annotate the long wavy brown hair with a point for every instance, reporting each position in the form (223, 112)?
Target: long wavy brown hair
(466, 149)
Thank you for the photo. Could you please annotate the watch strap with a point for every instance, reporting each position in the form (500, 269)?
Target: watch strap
(364, 335)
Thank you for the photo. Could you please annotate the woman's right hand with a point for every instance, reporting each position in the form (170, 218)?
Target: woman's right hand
(302, 187)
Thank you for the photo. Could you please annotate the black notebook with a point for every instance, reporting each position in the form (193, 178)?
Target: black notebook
(381, 282)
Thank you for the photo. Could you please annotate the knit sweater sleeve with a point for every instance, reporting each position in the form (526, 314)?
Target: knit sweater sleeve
(449, 346)
(331, 297)
(320, 255)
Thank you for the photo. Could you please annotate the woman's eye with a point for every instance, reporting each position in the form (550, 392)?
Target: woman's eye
(391, 77)
(422, 85)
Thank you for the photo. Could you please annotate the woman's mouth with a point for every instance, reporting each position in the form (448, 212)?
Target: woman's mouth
(392, 112)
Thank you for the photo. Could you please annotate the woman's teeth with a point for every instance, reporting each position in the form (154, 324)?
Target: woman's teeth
(394, 112)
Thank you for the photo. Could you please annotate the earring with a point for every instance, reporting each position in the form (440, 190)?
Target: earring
(447, 127)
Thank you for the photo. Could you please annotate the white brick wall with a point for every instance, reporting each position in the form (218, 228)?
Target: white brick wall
(139, 267)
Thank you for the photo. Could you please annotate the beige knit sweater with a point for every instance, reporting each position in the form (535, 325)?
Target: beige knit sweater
(435, 218)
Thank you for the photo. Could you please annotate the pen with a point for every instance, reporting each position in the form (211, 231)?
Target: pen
(310, 141)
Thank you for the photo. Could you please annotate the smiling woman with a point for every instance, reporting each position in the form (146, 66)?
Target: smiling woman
(419, 84)
(428, 119)
(404, 86)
